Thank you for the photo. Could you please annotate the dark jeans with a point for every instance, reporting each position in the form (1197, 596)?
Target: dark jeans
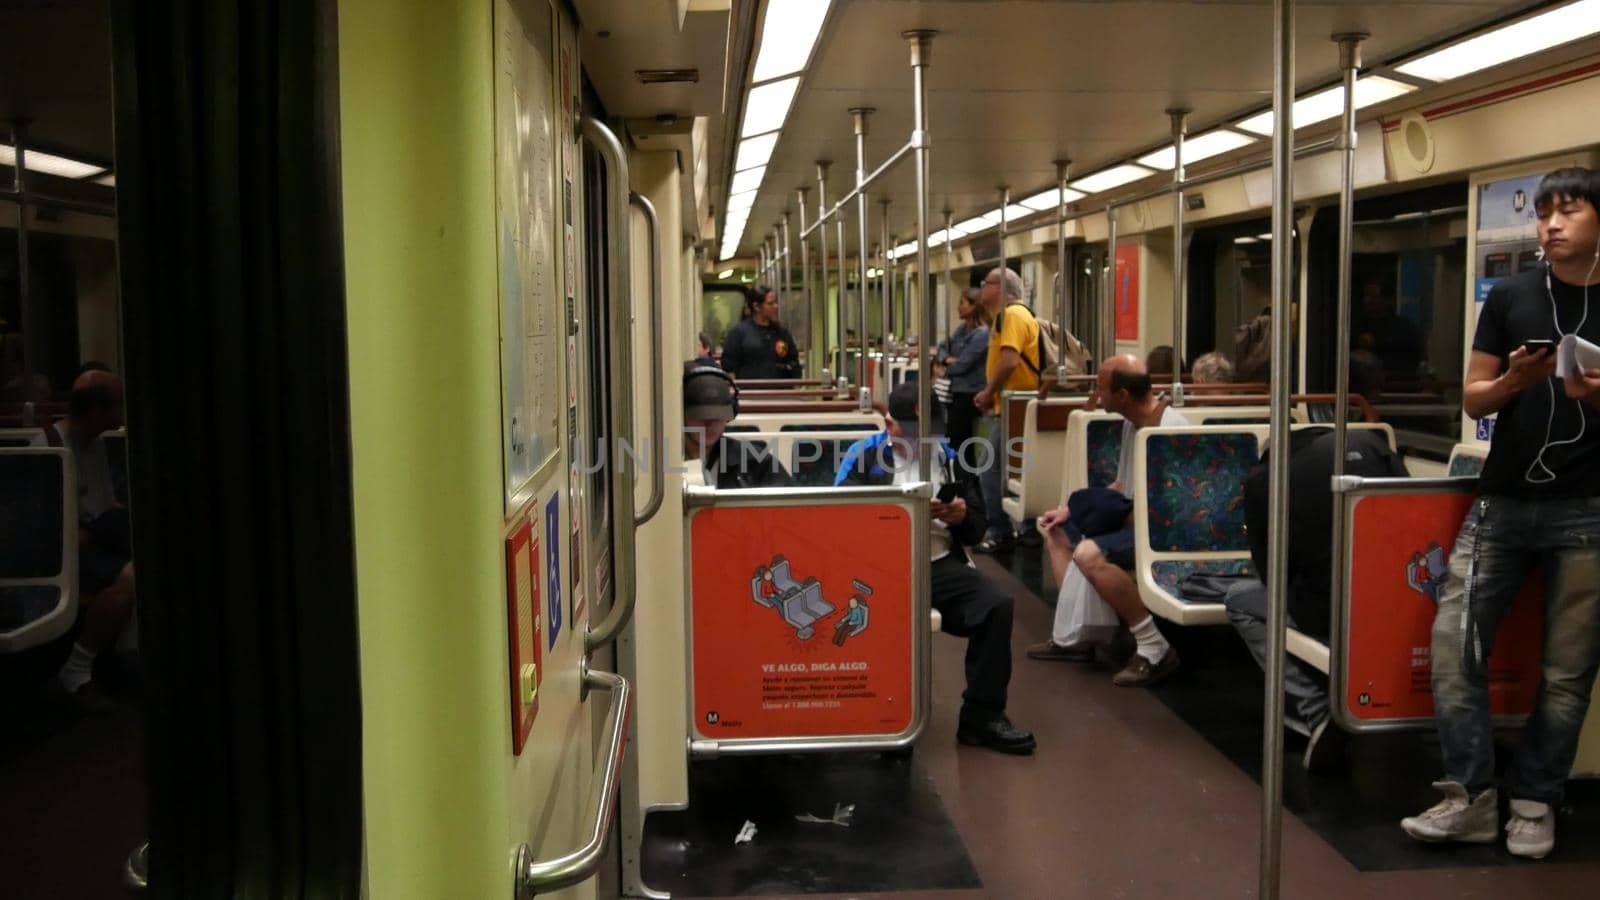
(1500, 542)
(961, 419)
(975, 608)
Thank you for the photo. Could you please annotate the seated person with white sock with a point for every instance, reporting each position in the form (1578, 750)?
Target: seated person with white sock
(105, 554)
(1105, 560)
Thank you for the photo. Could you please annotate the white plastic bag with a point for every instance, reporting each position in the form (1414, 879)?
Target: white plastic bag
(1081, 616)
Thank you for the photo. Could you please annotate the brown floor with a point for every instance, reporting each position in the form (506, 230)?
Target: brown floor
(1123, 800)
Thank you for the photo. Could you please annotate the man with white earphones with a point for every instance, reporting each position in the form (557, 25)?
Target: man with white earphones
(1538, 505)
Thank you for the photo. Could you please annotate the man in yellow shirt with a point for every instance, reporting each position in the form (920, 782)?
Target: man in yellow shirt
(1013, 365)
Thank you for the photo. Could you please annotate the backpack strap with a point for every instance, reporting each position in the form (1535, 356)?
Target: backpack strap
(1038, 349)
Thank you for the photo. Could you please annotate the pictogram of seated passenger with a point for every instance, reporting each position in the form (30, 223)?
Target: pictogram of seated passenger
(799, 604)
(853, 622)
(1094, 532)
(105, 551)
(971, 605)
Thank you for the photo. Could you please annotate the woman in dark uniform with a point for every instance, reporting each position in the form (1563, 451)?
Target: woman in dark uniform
(760, 347)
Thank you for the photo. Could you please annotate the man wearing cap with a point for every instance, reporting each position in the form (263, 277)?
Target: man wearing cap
(971, 605)
(710, 401)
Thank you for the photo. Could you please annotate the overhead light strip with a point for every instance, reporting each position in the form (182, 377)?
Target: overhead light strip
(1329, 103)
(1526, 37)
(787, 37)
(50, 163)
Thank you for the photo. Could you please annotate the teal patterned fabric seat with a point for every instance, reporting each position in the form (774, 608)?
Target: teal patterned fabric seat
(1104, 440)
(1195, 492)
(1465, 464)
(1169, 573)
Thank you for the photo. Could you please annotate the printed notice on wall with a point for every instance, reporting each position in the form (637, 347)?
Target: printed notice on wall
(802, 621)
(526, 229)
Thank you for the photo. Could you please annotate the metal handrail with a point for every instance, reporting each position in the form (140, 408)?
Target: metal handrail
(536, 877)
(136, 870)
(866, 182)
(621, 420)
(658, 449)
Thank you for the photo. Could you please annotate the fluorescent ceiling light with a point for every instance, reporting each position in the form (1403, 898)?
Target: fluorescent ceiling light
(724, 273)
(109, 179)
(741, 201)
(748, 180)
(787, 36)
(1197, 148)
(1328, 103)
(754, 152)
(49, 163)
(1514, 41)
(1246, 240)
(937, 238)
(1014, 212)
(904, 249)
(1049, 199)
(976, 224)
(1264, 237)
(766, 106)
(1114, 177)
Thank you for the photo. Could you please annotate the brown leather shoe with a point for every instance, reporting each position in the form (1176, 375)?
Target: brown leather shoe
(1050, 650)
(1140, 673)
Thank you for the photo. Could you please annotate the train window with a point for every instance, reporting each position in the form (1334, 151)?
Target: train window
(1408, 278)
(1229, 285)
(721, 308)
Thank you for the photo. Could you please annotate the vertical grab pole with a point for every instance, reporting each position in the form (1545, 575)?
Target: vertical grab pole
(1005, 201)
(1108, 325)
(860, 114)
(1278, 466)
(844, 281)
(33, 333)
(949, 223)
(1180, 128)
(1062, 268)
(805, 279)
(822, 264)
(783, 229)
(885, 281)
(1349, 63)
(921, 46)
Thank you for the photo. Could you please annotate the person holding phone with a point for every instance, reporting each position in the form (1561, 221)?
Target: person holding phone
(1538, 506)
(971, 605)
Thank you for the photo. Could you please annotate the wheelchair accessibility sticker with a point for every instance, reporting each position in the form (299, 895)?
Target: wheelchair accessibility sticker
(798, 633)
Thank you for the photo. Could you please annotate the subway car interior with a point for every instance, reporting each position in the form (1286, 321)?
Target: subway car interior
(736, 448)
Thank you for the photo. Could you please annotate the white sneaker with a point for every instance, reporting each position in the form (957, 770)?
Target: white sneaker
(1532, 829)
(1455, 818)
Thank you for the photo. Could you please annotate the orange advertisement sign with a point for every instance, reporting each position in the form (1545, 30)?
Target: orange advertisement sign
(1126, 290)
(801, 621)
(1399, 564)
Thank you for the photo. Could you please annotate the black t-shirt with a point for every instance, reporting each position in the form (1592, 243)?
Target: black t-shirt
(1520, 309)
(760, 351)
(1310, 566)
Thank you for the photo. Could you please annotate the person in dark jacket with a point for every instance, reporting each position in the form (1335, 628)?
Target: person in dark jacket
(759, 346)
(970, 604)
(1310, 565)
(710, 402)
(963, 357)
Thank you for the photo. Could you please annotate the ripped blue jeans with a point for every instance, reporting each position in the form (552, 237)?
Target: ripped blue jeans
(1500, 543)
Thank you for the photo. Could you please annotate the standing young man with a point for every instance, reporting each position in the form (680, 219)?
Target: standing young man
(1538, 503)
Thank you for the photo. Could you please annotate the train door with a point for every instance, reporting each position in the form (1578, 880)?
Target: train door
(1088, 275)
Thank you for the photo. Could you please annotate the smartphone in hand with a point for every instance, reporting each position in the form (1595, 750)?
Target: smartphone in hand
(1533, 348)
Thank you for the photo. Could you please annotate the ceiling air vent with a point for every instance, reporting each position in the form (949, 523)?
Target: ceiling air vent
(668, 76)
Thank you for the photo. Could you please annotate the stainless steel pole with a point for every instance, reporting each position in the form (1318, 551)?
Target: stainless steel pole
(921, 46)
(822, 262)
(800, 195)
(1005, 201)
(1180, 128)
(1108, 325)
(860, 113)
(883, 274)
(783, 229)
(1349, 63)
(33, 336)
(1062, 268)
(844, 282)
(1278, 442)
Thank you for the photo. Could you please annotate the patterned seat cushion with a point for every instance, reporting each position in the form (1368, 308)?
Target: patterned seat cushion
(1464, 464)
(1169, 573)
(1196, 491)
(1104, 439)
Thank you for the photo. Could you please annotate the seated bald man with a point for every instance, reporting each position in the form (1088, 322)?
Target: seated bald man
(105, 552)
(1105, 558)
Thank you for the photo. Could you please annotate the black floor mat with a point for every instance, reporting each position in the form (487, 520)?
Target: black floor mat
(1218, 692)
(898, 839)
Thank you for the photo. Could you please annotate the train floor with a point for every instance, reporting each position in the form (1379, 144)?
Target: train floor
(1133, 793)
